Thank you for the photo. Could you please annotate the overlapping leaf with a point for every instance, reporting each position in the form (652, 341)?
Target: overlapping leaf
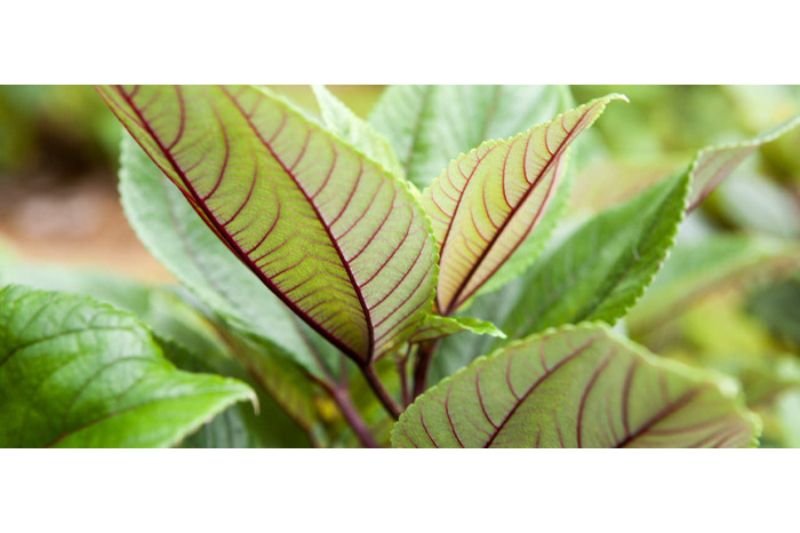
(579, 386)
(487, 202)
(327, 230)
(600, 271)
(435, 327)
(430, 125)
(360, 134)
(697, 270)
(74, 372)
(715, 163)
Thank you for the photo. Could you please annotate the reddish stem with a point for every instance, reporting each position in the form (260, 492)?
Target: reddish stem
(383, 395)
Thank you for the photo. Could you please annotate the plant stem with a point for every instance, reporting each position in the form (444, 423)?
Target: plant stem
(424, 356)
(402, 370)
(341, 396)
(383, 395)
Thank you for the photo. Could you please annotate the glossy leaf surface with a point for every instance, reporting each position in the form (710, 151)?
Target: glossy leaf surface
(74, 372)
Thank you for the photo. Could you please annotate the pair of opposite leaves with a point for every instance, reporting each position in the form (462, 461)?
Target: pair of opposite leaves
(341, 240)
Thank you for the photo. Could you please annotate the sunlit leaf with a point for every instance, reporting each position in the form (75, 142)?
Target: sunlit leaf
(342, 244)
(487, 202)
(579, 386)
(428, 125)
(360, 134)
(74, 372)
(181, 241)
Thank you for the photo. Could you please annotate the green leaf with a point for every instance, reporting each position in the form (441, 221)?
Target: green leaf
(435, 327)
(181, 241)
(354, 260)
(339, 119)
(579, 386)
(696, 270)
(600, 271)
(74, 372)
(430, 125)
(715, 163)
(488, 201)
(778, 307)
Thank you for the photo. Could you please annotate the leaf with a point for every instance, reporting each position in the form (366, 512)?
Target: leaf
(435, 327)
(354, 260)
(191, 342)
(693, 271)
(600, 271)
(74, 372)
(715, 163)
(181, 241)
(360, 134)
(579, 386)
(488, 201)
(430, 125)
(778, 307)
(531, 248)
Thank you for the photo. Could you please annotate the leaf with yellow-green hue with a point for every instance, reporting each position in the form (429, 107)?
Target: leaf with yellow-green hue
(436, 326)
(715, 163)
(337, 238)
(487, 202)
(428, 125)
(578, 386)
(360, 134)
(697, 270)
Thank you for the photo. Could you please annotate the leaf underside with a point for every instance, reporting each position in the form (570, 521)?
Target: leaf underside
(579, 386)
(487, 202)
(76, 373)
(340, 241)
(715, 163)
(428, 125)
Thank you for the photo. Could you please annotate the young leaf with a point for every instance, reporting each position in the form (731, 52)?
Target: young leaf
(343, 122)
(579, 386)
(74, 372)
(715, 163)
(436, 327)
(335, 237)
(430, 125)
(600, 271)
(488, 201)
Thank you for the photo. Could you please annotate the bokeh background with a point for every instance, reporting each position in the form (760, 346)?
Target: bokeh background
(59, 205)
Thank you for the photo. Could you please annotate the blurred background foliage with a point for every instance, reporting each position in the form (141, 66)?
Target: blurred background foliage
(728, 297)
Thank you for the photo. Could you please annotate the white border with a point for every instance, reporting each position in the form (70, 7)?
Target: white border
(391, 491)
(408, 41)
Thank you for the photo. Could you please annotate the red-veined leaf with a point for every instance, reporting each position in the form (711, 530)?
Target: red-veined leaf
(578, 386)
(715, 163)
(488, 201)
(330, 232)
